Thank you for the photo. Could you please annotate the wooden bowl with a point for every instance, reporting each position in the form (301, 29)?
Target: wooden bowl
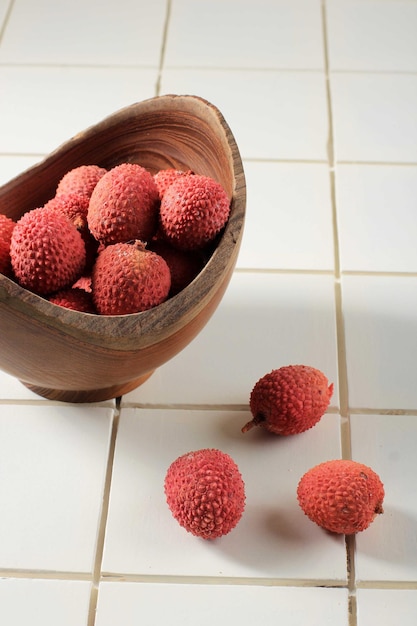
(65, 355)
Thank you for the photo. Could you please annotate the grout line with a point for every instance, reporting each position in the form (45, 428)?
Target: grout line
(340, 330)
(98, 559)
(219, 580)
(6, 19)
(163, 48)
(45, 575)
(345, 434)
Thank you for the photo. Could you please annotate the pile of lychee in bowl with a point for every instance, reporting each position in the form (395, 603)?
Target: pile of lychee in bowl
(121, 244)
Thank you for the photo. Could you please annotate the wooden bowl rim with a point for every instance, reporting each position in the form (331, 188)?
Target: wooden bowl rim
(148, 327)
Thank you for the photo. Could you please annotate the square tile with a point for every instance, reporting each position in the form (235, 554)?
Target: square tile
(288, 223)
(381, 340)
(374, 117)
(370, 35)
(282, 34)
(387, 550)
(376, 208)
(264, 321)
(45, 32)
(133, 603)
(273, 115)
(46, 602)
(53, 463)
(273, 538)
(386, 607)
(46, 106)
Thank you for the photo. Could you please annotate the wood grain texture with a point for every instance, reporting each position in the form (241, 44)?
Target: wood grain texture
(78, 357)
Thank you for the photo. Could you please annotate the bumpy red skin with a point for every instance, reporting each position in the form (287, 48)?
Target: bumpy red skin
(124, 205)
(165, 178)
(205, 493)
(73, 205)
(194, 209)
(289, 400)
(127, 278)
(80, 180)
(6, 228)
(183, 265)
(341, 496)
(47, 251)
(74, 298)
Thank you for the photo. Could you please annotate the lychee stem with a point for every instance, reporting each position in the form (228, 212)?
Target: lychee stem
(255, 421)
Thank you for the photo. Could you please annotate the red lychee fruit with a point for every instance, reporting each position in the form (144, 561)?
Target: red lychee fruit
(165, 178)
(127, 278)
(183, 265)
(84, 282)
(193, 211)
(205, 492)
(124, 205)
(6, 228)
(47, 251)
(80, 180)
(341, 496)
(74, 298)
(289, 400)
(73, 205)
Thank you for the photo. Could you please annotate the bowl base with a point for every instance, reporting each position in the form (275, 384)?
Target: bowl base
(88, 395)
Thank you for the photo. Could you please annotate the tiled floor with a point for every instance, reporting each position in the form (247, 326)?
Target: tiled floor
(321, 96)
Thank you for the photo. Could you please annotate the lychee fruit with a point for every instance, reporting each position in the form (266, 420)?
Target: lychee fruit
(80, 180)
(289, 400)
(341, 496)
(205, 492)
(74, 298)
(184, 265)
(6, 228)
(194, 210)
(128, 278)
(84, 282)
(47, 251)
(124, 205)
(73, 205)
(165, 178)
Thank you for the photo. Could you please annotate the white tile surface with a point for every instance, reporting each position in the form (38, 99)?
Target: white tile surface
(387, 607)
(268, 33)
(370, 35)
(273, 115)
(265, 320)
(4, 5)
(387, 550)
(288, 217)
(65, 66)
(84, 33)
(11, 166)
(134, 603)
(381, 340)
(48, 105)
(273, 537)
(377, 207)
(52, 463)
(43, 602)
(374, 117)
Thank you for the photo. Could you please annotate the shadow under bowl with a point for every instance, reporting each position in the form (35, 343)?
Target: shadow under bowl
(70, 356)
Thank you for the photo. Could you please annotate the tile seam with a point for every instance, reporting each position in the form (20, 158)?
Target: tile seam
(6, 19)
(101, 534)
(163, 47)
(345, 435)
